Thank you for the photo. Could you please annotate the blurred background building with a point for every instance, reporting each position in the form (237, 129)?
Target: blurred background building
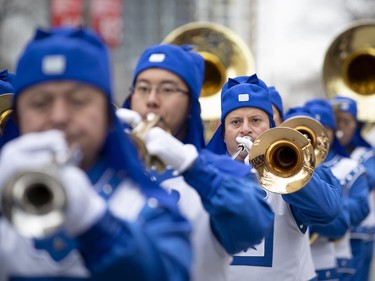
(288, 39)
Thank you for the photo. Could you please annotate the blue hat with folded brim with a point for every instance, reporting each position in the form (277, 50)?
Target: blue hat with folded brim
(64, 53)
(183, 61)
(246, 91)
(349, 105)
(322, 111)
(187, 64)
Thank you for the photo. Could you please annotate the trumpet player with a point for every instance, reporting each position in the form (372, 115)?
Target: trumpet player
(361, 151)
(246, 111)
(117, 225)
(222, 200)
(323, 238)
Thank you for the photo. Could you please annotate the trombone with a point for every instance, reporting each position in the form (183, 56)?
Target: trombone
(314, 131)
(284, 159)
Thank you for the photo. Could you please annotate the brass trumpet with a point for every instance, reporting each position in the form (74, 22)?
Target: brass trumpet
(34, 201)
(138, 134)
(314, 131)
(284, 159)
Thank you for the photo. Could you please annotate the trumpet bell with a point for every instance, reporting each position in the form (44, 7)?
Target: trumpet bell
(34, 203)
(284, 160)
(349, 67)
(314, 131)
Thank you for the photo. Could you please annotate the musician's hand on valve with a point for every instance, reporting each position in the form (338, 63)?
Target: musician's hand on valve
(132, 118)
(246, 142)
(169, 150)
(31, 151)
(38, 151)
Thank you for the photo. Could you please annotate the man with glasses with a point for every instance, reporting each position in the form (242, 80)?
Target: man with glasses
(221, 198)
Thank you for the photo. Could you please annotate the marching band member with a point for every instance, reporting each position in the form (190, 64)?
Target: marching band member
(323, 238)
(118, 224)
(247, 112)
(223, 201)
(362, 237)
(352, 177)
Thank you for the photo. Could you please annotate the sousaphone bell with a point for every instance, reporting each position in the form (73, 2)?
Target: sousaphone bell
(349, 67)
(225, 55)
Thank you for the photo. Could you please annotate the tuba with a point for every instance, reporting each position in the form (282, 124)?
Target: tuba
(349, 68)
(284, 160)
(5, 109)
(225, 54)
(314, 131)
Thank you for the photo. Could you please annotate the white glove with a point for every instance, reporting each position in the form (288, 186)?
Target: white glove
(36, 151)
(128, 116)
(246, 142)
(169, 150)
(85, 206)
(31, 151)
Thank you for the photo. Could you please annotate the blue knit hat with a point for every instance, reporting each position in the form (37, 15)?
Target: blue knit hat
(276, 100)
(180, 60)
(298, 111)
(187, 64)
(79, 54)
(246, 91)
(349, 105)
(345, 104)
(323, 112)
(65, 54)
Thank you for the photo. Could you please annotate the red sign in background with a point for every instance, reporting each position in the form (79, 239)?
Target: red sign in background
(66, 12)
(105, 17)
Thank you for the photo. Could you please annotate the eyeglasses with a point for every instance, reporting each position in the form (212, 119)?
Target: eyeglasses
(163, 90)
